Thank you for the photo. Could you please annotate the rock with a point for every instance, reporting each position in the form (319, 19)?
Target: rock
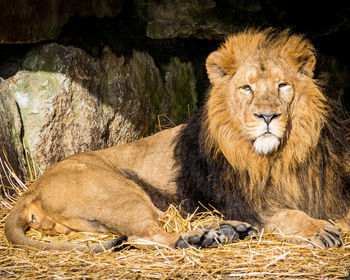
(71, 102)
(25, 21)
(203, 19)
(133, 93)
(11, 150)
(177, 18)
(58, 95)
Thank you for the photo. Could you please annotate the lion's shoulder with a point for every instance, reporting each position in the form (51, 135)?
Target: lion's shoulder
(205, 180)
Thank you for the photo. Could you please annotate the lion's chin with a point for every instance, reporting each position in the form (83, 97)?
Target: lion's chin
(266, 144)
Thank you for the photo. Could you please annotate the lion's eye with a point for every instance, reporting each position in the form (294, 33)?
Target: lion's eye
(285, 91)
(282, 85)
(246, 88)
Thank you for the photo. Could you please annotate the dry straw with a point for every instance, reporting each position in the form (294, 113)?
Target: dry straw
(266, 256)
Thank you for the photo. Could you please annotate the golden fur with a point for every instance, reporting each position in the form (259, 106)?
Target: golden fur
(287, 59)
(265, 116)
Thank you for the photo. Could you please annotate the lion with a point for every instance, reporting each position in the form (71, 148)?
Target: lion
(269, 150)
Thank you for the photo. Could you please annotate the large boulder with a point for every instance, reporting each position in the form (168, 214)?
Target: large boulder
(58, 95)
(71, 102)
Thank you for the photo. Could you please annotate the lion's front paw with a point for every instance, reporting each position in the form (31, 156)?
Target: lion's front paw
(329, 236)
(212, 237)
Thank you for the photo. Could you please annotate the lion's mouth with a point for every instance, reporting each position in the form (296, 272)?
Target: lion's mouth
(266, 144)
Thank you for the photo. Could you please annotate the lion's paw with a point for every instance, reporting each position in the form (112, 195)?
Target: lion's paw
(213, 237)
(327, 237)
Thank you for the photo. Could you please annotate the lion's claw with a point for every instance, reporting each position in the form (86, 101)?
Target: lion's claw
(326, 238)
(214, 237)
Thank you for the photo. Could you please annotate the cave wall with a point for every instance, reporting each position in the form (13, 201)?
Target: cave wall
(85, 75)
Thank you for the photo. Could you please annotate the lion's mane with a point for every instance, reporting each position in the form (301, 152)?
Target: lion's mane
(310, 172)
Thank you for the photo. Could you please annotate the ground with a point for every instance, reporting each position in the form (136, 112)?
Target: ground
(266, 256)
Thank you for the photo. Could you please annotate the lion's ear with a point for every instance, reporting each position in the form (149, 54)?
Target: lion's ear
(305, 62)
(302, 54)
(308, 63)
(216, 66)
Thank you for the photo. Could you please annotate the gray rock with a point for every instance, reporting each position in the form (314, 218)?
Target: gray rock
(71, 102)
(58, 96)
(133, 92)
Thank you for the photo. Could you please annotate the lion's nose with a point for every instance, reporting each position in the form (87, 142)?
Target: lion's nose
(267, 116)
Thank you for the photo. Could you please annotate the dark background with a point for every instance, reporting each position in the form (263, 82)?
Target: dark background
(199, 28)
(187, 30)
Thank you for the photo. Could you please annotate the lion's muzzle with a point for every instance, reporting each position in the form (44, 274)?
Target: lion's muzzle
(268, 132)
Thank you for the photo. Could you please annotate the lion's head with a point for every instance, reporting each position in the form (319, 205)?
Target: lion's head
(264, 100)
(268, 136)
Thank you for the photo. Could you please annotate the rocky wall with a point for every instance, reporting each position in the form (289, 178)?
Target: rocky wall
(70, 102)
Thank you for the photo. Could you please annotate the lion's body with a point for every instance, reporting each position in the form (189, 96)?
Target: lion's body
(268, 149)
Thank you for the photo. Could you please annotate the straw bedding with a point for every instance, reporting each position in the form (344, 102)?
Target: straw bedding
(266, 256)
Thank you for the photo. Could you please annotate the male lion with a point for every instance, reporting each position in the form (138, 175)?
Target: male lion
(269, 148)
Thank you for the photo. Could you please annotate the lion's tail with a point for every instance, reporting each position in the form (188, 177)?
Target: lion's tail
(16, 225)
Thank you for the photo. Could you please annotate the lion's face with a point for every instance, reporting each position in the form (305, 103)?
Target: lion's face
(263, 96)
(258, 99)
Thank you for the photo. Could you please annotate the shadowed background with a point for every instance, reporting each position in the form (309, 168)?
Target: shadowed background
(85, 75)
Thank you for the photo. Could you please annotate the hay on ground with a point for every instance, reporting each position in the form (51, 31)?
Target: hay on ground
(264, 257)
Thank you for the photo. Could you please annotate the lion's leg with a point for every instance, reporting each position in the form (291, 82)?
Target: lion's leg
(204, 236)
(214, 234)
(298, 226)
(118, 205)
(101, 201)
(139, 220)
(148, 229)
(135, 216)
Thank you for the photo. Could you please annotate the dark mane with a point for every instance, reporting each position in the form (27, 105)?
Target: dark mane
(328, 196)
(207, 180)
(213, 181)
